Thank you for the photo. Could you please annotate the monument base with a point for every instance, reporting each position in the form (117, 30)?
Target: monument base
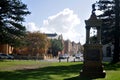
(93, 75)
(92, 65)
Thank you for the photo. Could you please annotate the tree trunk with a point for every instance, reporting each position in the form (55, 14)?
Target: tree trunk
(116, 34)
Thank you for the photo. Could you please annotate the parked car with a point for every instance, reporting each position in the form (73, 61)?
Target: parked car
(10, 56)
(3, 56)
(6, 56)
(63, 56)
(78, 56)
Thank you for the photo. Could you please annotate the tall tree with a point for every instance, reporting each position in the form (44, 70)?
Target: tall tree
(12, 14)
(107, 7)
(56, 46)
(37, 43)
(110, 28)
(117, 32)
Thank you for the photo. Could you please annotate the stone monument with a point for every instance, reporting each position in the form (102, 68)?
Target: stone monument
(92, 65)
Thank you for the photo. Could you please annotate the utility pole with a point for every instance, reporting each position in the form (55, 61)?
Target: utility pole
(116, 33)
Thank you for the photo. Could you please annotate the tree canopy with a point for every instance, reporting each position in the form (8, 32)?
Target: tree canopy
(108, 18)
(36, 43)
(12, 13)
(110, 27)
(56, 46)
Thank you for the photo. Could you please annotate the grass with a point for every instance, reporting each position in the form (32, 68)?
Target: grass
(50, 70)
(10, 65)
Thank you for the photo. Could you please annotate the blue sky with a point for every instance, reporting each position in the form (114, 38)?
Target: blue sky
(64, 17)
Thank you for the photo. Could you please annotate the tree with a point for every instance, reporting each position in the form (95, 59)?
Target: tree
(110, 28)
(37, 43)
(117, 33)
(107, 7)
(56, 46)
(12, 14)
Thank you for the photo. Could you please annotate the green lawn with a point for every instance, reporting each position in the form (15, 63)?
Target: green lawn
(37, 70)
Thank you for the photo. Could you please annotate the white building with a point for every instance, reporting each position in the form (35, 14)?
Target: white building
(108, 50)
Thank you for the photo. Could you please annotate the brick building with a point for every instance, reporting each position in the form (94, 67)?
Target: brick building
(5, 48)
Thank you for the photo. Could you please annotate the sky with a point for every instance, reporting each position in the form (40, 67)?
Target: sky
(64, 17)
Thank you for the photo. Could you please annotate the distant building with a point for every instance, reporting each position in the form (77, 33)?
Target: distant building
(72, 47)
(52, 36)
(5, 48)
(69, 47)
(108, 50)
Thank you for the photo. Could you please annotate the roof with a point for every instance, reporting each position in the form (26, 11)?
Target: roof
(51, 35)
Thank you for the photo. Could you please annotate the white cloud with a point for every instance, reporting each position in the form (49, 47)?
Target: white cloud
(65, 22)
(32, 27)
(62, 22)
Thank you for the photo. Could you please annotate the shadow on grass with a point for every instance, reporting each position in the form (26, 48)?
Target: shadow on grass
(45, 73)
(3, 60)
(78, 78)
(108, 66)
(60, 72)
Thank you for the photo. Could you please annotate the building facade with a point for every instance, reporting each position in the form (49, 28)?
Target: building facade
(72, 47)
(69, 47)
(5, 48)
(108, 50)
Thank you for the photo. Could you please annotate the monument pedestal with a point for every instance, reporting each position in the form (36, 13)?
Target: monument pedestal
(92, 66)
